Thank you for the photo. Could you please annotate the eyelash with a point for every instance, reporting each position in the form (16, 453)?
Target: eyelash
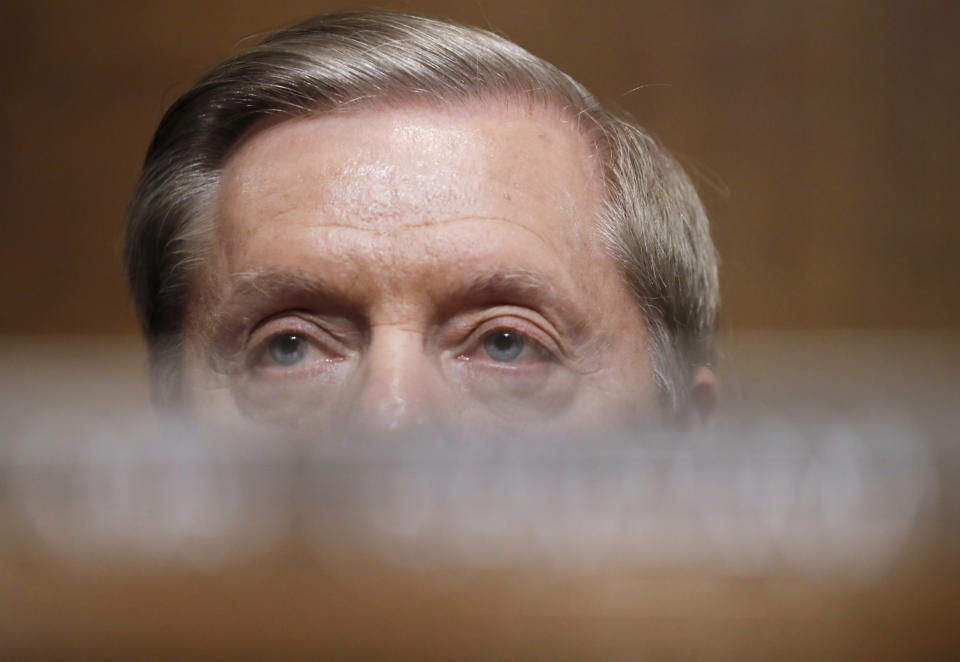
(536, 340)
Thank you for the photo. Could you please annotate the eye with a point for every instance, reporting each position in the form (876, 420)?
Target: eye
(288, 349)
(294, 345)
(504, 346)
(512, 364)
(512, 344)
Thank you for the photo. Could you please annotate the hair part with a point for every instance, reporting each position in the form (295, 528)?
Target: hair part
(652, 221)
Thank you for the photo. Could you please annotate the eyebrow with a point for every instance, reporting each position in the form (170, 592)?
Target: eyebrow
(525, 288)
(249, 289)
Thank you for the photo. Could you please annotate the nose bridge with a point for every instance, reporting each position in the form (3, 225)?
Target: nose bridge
(398, 388)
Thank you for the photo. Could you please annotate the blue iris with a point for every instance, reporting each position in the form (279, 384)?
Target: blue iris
(287, 349)
(503, 346)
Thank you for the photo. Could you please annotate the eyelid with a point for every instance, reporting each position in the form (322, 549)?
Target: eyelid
(510, 320)
(295, 324)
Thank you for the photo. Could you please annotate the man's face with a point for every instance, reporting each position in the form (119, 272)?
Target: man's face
(393, 268)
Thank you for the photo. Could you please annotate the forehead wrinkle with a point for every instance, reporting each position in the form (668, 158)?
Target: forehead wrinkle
(408, 226)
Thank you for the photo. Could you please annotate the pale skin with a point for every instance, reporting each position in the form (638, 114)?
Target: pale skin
(393, 268)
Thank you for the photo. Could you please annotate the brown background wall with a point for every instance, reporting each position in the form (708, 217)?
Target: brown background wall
(824, 134)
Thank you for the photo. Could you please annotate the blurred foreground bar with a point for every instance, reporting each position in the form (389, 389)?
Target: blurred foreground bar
(819, 519)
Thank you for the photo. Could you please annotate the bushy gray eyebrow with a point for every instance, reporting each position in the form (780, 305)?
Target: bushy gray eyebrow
(526, 288)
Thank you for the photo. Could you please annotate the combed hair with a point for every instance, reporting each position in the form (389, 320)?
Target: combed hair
(652, 222)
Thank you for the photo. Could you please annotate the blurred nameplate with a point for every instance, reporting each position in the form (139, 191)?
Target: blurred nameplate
(792, 531)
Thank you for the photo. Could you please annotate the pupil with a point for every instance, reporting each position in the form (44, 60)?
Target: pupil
(287, 349)
(503, 345)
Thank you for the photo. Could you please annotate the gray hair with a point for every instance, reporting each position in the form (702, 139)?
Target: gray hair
(652, 222)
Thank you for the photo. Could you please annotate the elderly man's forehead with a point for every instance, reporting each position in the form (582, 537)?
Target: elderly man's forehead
(385, 166)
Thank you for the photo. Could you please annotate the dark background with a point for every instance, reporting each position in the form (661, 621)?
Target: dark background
(823, 136)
